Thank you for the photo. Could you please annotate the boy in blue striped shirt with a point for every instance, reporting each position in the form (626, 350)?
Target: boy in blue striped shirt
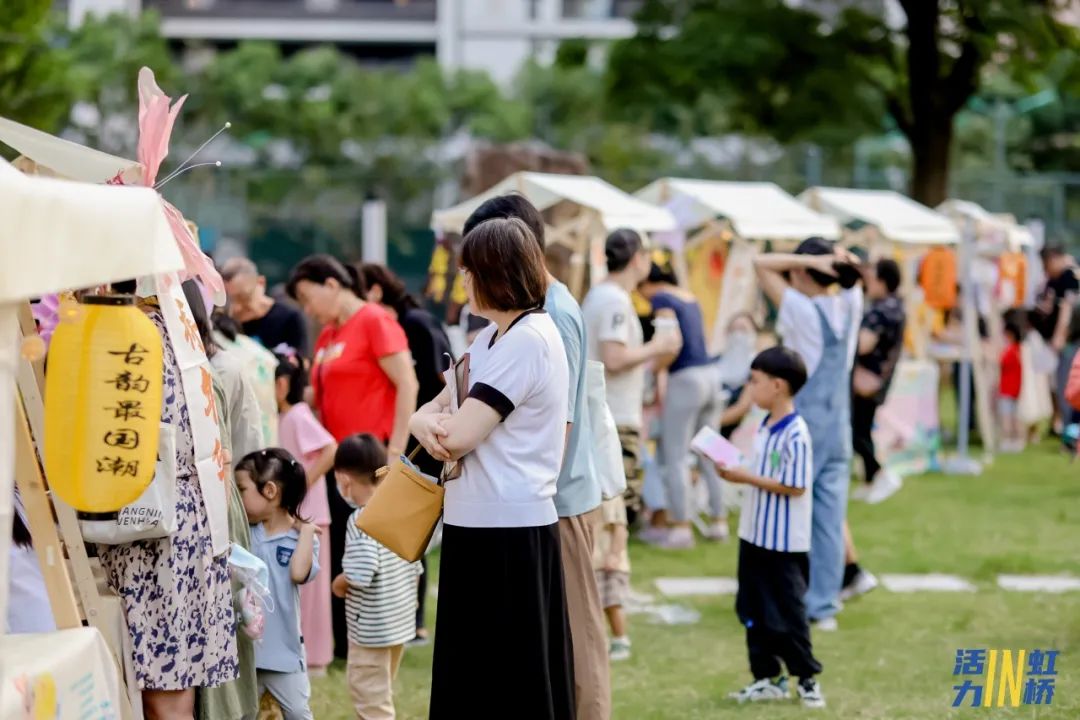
(774, 535)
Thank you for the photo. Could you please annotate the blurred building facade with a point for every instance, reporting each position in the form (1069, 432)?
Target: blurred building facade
(496, 36)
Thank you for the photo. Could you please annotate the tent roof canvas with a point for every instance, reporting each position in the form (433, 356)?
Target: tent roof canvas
(616, 208)
(756, 210)
(961, 210)
(65, 158)
(63, 235)
(899, 219)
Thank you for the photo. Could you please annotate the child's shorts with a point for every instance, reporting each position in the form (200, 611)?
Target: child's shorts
(614, 587)
(1006, 406)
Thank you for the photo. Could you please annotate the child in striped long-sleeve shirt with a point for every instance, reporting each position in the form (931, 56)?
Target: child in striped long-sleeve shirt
(774, 535)
(378, 586)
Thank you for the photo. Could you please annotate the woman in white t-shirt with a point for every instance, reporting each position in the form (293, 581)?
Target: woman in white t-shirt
(502, 640)
(822, 325)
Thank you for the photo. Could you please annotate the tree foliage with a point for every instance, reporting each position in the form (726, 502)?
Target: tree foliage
(34, 85)
(795, 74)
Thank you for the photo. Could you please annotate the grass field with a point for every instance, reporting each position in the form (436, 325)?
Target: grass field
(893, 656)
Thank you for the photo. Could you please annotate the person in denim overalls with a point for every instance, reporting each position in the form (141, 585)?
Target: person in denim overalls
(826, 340)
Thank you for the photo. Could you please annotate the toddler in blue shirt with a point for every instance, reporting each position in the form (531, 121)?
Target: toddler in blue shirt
(272, 485)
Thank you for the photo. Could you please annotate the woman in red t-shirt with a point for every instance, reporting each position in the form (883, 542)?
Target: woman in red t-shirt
(362, 373)
(362, 376)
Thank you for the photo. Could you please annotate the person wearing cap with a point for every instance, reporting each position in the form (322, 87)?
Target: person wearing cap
(823, 327)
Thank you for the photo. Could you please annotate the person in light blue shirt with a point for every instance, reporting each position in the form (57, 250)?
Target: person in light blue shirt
(272, 484)
(577, 498)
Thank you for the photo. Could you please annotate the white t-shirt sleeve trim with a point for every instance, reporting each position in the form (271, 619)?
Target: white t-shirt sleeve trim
(511, 369)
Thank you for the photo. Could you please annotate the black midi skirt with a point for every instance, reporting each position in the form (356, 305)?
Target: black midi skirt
(502, 637)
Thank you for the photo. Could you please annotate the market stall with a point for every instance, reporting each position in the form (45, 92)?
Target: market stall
(85, 220)
(1004, 259)
(728, 223)
(63, 235)
(579, 211)
(925, 243)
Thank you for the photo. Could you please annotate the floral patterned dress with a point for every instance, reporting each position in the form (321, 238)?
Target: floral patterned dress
(177, 596)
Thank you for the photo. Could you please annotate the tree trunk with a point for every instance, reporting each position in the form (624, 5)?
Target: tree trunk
(930, 147)
(929, 126)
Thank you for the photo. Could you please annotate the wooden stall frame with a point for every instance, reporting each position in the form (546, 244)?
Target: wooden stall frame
(64, 580)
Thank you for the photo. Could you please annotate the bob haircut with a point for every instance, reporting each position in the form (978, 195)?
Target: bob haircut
(506, 265)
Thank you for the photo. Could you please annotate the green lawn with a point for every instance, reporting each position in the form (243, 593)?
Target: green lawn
(893, 657)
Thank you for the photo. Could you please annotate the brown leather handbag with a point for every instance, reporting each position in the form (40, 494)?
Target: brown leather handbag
(403, 512)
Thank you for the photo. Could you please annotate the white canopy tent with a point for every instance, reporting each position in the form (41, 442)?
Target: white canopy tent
(896, 218)
(615, 208)
(730, 220)
(995, 233)
(584, 210)
(62, 157)
(755, 210)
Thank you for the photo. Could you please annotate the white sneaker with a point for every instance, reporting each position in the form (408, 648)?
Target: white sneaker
(678, 538)
(718, 531)
(764, 690)
(619, 649)
(810, 693)
(861, 491)
(828, 624)
(1012, 446)
(885, 485)
(861, 584)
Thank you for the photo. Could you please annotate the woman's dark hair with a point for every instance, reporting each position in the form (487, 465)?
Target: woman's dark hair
(504, 207)
(278, 466)
(847, 275)
(394, 292)
(1012, 327)
(659, 274)
(291, 366)
(361, 455)
(888, 272)
(198, 313)
(784, 364)
(226, 325)
(320, 268)
(506, 264)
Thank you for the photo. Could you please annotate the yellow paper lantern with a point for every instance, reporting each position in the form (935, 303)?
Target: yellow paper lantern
(103, 405)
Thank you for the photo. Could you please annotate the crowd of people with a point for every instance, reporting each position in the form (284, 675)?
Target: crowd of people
(534, 564)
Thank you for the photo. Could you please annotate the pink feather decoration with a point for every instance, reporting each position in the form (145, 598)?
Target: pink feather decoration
(156, 120)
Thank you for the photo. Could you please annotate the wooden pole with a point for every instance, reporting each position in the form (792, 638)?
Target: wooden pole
(31, 378)
(31, 484)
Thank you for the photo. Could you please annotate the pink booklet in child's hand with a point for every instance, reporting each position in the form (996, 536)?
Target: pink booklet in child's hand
(716, 447)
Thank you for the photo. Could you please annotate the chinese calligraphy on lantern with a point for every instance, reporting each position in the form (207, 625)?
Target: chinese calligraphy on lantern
(119, 437)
